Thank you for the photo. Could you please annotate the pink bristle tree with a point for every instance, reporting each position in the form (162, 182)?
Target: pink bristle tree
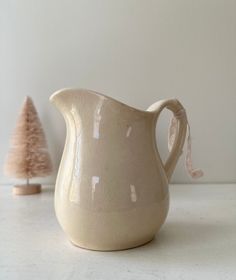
(28, 156)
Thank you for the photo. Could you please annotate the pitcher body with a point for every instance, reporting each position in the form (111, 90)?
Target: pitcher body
(112, 187)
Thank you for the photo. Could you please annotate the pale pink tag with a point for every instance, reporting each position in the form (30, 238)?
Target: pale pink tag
(173, 128)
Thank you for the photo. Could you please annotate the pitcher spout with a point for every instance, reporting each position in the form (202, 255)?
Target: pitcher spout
(59, 98)
(68, 96)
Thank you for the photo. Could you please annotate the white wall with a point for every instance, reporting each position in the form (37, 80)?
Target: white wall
(137, 51)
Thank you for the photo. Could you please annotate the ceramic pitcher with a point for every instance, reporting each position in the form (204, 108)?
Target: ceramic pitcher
(112, 186)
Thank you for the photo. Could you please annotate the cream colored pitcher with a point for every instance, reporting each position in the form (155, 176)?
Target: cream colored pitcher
(112, 186)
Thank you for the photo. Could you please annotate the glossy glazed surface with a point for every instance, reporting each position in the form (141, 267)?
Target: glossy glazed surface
(111, 190)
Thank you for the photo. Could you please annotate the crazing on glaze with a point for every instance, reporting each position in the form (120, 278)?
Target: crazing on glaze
(112, 187)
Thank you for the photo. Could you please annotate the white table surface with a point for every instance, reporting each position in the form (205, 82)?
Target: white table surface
(198, 241)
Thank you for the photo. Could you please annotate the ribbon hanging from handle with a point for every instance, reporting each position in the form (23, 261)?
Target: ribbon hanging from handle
(173, 128)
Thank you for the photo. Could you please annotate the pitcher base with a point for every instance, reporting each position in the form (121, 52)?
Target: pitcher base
(115, 248)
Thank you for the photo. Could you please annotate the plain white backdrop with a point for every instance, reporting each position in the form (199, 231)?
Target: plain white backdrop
(136, 51)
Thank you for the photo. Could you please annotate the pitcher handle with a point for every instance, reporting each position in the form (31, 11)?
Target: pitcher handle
(179, 112)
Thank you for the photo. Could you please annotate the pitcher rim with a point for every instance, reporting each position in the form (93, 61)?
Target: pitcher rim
(93, 92)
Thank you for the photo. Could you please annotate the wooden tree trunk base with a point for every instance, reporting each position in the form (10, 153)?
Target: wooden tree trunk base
(26, 189)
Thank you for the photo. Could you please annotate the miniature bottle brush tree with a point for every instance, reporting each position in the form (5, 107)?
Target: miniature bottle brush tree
(28, 156)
